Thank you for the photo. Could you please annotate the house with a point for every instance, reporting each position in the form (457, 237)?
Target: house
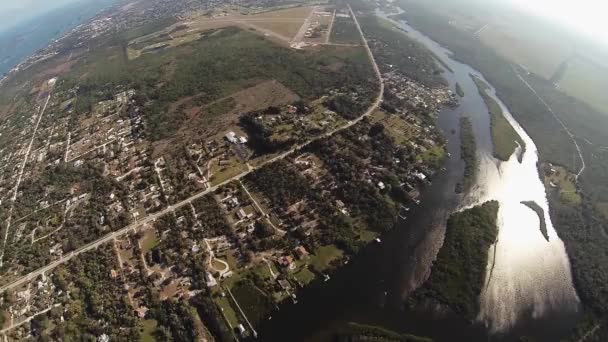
(241, 329)
(242, 140)
(241, 214)
(285, 285)
(381, 185)
(210, 280)
(231, 137)
(141, 311)
(287, 262)
(301, 252)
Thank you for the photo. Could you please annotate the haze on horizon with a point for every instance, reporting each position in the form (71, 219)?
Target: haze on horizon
(13, 13)
(587, 17)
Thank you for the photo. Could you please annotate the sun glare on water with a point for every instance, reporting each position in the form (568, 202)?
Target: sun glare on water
(585, 16)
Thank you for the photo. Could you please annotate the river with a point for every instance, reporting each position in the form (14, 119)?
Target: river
(529, 288)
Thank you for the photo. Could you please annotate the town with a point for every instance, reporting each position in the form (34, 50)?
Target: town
(220, 226)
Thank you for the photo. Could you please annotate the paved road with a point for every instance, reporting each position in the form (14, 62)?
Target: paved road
(152, 217)
(566, 129)
(22, 169)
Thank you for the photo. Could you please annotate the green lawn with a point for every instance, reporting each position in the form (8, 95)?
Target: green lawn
(304, 275)
(564, 181)
(324, 255)
(148, 327)
(149, 241)
(433, 156)
(226, 308)
(344, 31)
(254, 303)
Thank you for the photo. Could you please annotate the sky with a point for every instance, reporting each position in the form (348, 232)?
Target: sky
(585, 16)
(12, 12)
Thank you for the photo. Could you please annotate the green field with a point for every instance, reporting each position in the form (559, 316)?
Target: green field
(504, 136)
(587, 82)
(304, 275)
(323, 256)
(226, 308)
(254, 303)
(148, 327)
(344, 31)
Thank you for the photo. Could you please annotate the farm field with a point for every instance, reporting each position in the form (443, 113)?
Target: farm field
(528, 49)
(587, 82)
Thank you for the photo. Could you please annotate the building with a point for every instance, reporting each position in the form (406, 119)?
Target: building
(231, 137)
(301, 252)
(210, 280)
(287, 262)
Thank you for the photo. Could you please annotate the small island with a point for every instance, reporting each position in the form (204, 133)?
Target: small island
(541, 216)
(458, 274)
(504, 136)
(459, 90)
(467, 148)
(361, 332)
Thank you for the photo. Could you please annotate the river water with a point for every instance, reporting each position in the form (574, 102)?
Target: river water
(526, 273)
(529, 288)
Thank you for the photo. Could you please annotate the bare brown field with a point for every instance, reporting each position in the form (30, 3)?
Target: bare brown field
(297, 13)
(288, 29)
(200, 124)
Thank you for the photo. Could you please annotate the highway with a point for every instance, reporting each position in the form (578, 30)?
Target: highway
(152, 217)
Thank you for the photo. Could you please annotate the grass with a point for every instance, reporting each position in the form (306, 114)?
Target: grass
(458, 274)
(287, 29)
(148, 327)
(367, 235)
(149, 241)
(504, 136)
(433, 156)
(226, 308)
(254, 303)
(262, 271)
(304, 275)
(218, 108)
(587, 82)
(323, 256)
(344, 31)
(564, 182)
(227, 171)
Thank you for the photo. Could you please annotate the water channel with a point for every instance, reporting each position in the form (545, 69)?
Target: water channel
(529, 288)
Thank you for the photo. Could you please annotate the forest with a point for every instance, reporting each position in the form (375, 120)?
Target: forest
(458, 274)
(354, 332)
(401, 52)
(218, 65)
(468, 153)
